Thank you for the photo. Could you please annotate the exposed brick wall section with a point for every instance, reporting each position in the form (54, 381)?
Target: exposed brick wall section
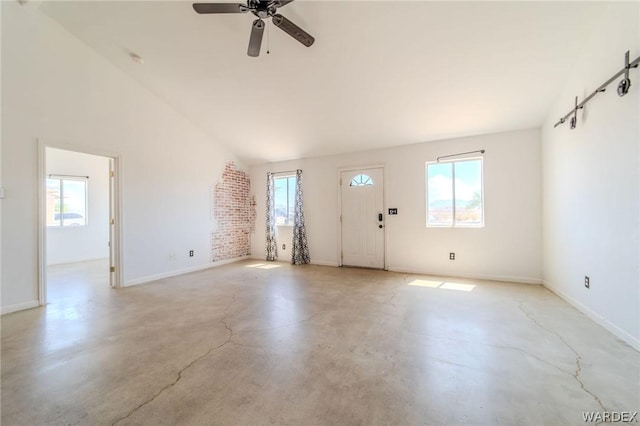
(235, 214)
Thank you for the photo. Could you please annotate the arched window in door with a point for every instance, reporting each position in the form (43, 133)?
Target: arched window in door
(361, 180)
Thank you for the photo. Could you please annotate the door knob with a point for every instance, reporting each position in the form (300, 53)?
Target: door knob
(380, 226)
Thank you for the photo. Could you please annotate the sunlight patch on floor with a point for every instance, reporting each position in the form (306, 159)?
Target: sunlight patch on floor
(262, 266)
(442, 284)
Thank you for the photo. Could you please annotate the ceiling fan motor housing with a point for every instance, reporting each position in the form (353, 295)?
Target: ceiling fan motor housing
(263, 9)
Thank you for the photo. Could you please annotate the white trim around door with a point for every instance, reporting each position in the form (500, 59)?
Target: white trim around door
(115, 213)
(363, 243)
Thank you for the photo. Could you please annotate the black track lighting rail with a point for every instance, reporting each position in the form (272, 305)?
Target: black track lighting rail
(623, 89)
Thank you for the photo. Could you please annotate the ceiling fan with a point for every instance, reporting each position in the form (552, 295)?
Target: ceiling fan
(262, 9)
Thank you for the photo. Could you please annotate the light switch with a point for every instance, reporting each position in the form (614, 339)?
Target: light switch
(2, 192)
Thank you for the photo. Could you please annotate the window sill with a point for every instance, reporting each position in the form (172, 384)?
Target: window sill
(455, 227)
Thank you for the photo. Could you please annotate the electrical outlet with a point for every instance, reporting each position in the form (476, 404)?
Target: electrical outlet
(190, 253)
(284, 247)
(586, 281)
(172, 256)
(452, 256)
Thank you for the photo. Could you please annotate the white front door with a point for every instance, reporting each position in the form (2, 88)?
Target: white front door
(362, 219)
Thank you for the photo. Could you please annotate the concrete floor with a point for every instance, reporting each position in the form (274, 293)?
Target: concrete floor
(247, 344)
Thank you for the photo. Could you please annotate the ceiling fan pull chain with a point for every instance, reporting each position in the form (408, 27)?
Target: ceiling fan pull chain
(268, 37)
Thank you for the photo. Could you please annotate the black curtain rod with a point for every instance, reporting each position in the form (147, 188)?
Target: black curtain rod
(601, 88)
(286, 172)
(481, 151)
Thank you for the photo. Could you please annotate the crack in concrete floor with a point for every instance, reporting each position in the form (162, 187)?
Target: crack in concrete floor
(185, 368)
(291, 324)
(578, 371)
(394, 291)
(575, 374)
(330, 298)
(493, 345)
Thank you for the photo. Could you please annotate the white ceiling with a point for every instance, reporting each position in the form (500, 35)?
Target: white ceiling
(380, 73)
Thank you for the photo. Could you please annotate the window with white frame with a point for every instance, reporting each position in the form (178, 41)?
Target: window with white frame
(66, 202)
(284, 199)
(455, 193)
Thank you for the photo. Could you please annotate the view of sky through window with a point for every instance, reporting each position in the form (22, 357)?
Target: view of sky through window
(285, 193)
(454, 193)
(66, 202)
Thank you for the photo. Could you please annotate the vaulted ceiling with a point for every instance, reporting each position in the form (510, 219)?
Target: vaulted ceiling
(380, 74)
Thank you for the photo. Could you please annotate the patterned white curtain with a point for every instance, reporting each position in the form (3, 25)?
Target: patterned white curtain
(270, 245)
(299, 250)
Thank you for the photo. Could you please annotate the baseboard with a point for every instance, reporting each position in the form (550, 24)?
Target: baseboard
(324, 263)
(262, 259)
(150, 278)
(19, 307)
(313, 262)
(597, 318)
(502, 278)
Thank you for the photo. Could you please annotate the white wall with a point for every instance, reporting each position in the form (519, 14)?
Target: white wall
(55, 88)
(78, 243)
(507, 248)
(592, 185)
(1, 182)
(284, 235)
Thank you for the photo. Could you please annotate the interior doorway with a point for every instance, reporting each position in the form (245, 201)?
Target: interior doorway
(362, 218)
(79, 218)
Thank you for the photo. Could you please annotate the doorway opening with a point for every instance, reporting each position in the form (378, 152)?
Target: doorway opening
(79, 226)
(362, 230)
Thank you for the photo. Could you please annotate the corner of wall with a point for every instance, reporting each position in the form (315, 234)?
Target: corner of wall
(591, 183)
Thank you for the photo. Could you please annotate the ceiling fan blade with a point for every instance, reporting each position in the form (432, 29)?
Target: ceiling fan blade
(280, 3)
(293, 30)
(255, 41)
(219, 7)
